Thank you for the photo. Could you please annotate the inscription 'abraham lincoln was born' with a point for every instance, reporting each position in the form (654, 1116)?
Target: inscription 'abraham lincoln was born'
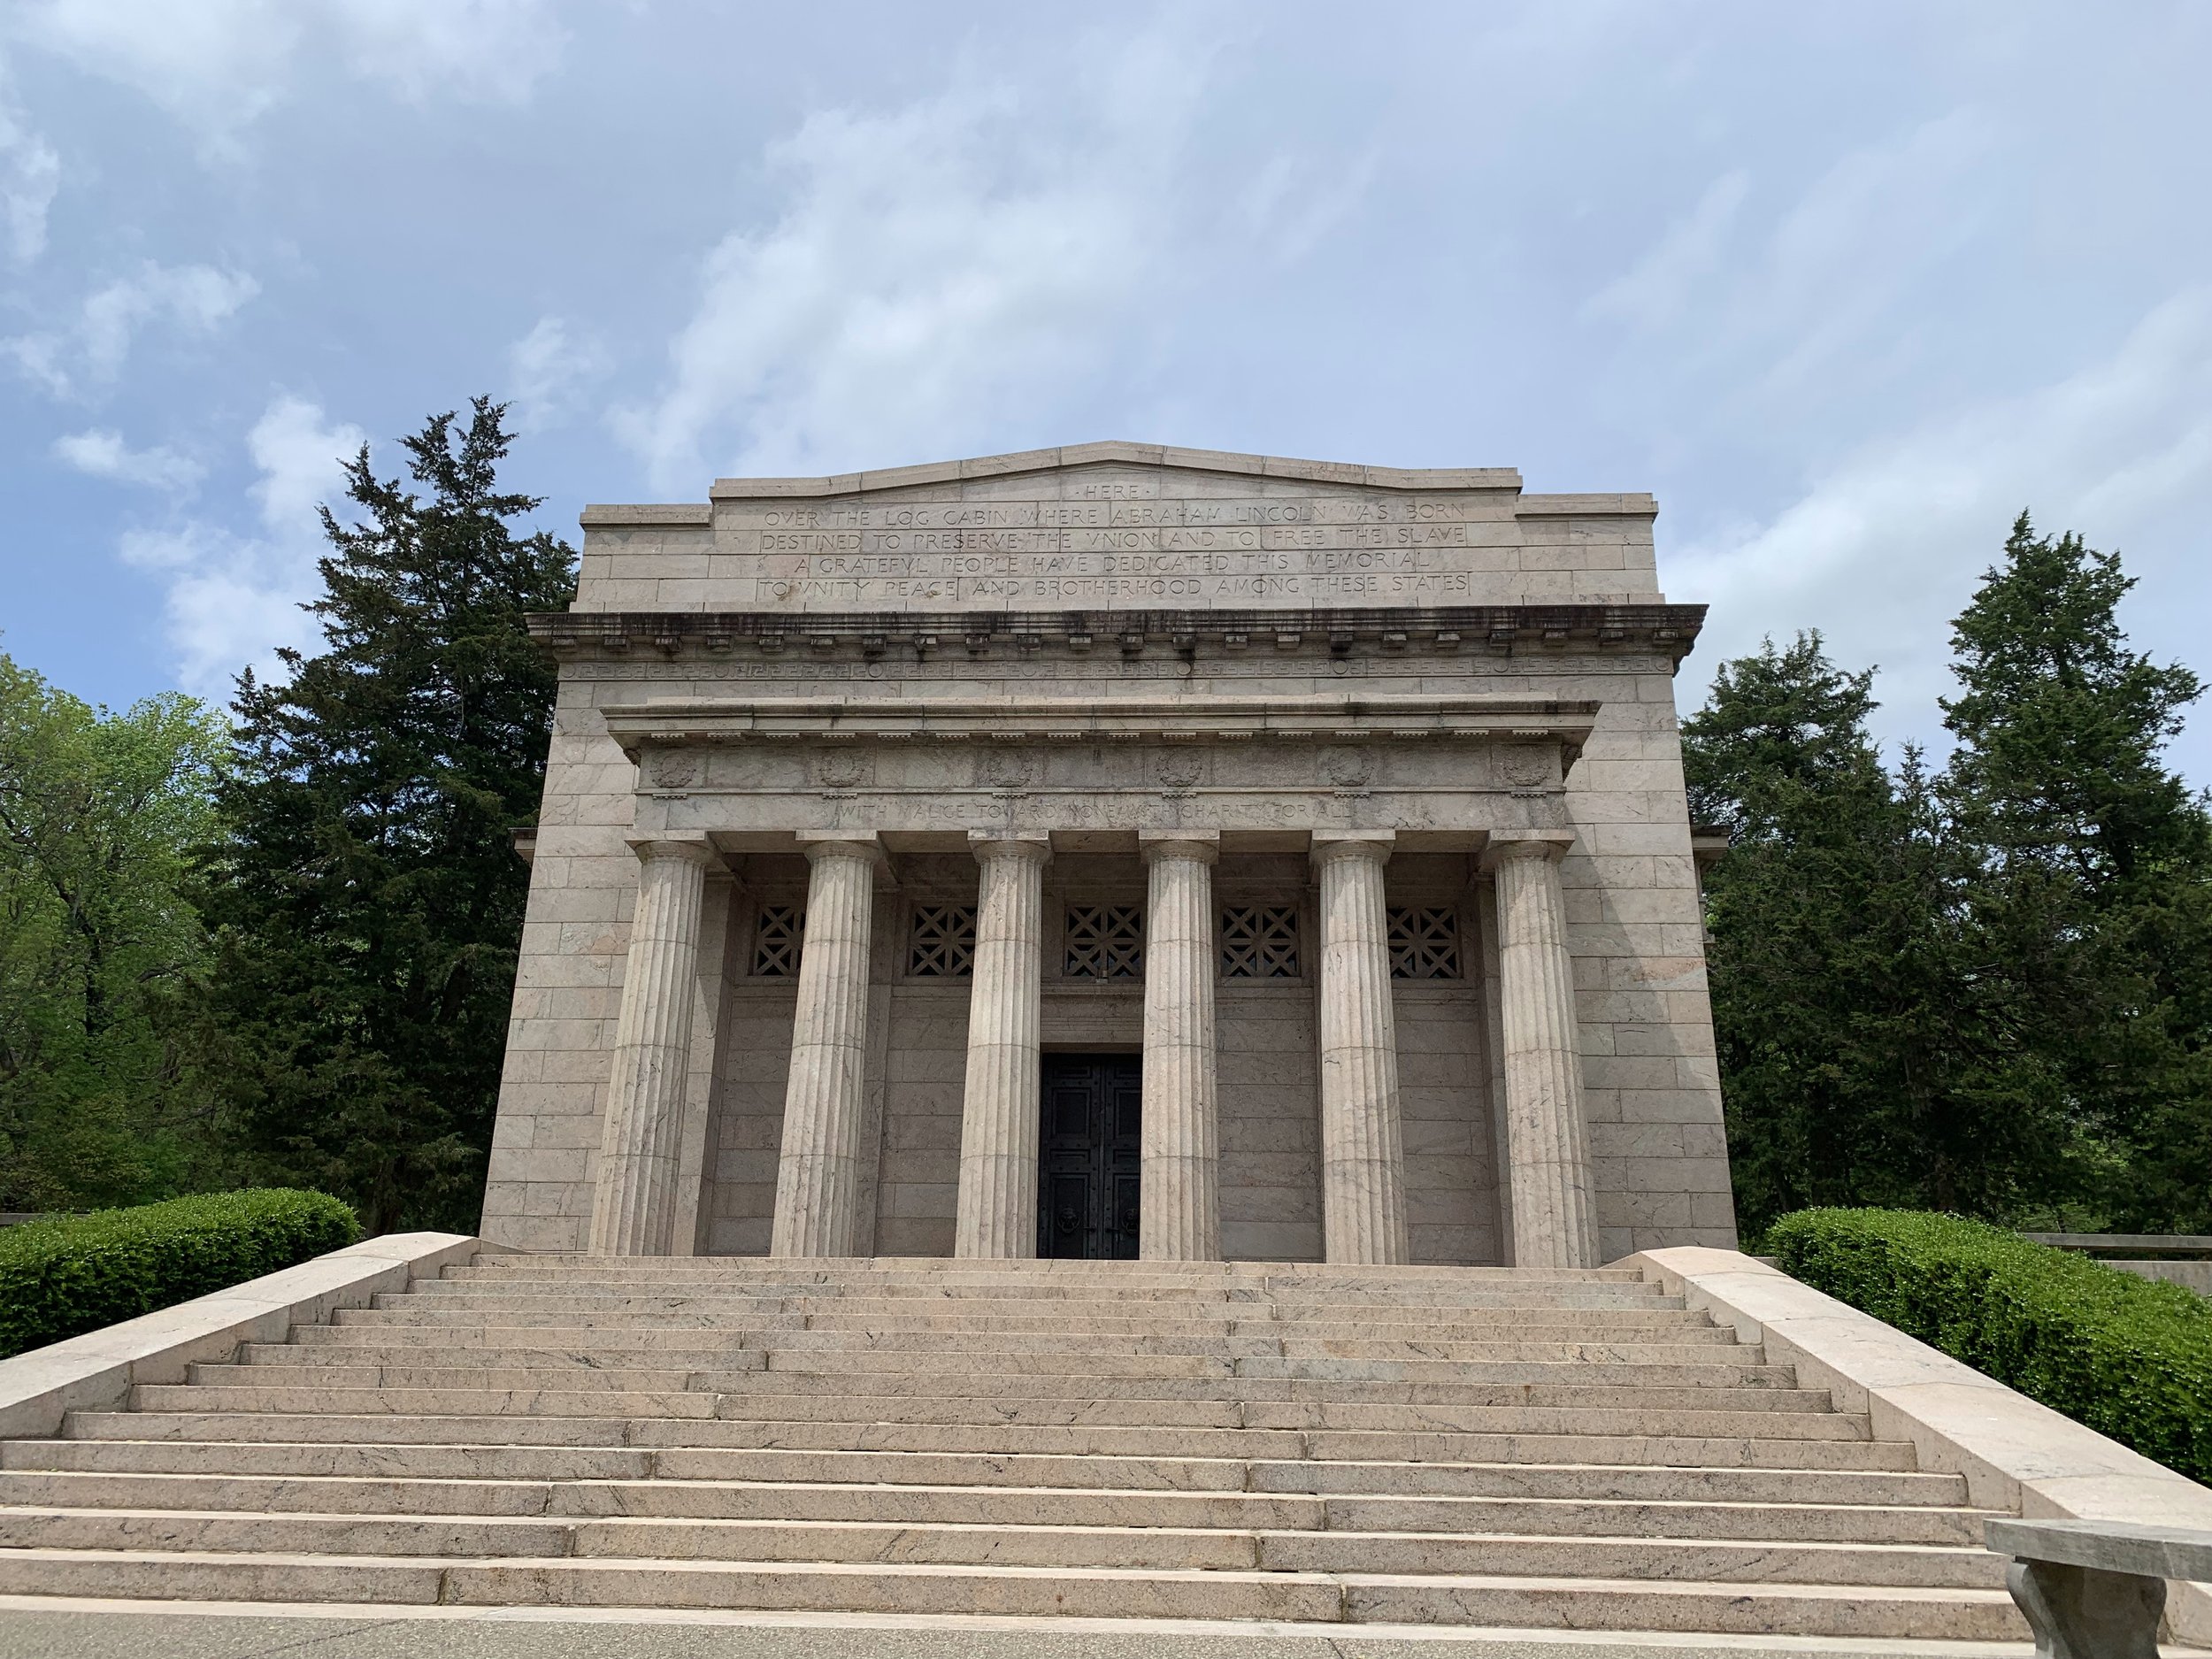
(1044, 553)
(1112, 539)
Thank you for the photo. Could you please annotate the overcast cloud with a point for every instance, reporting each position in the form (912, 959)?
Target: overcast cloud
(1847, 287)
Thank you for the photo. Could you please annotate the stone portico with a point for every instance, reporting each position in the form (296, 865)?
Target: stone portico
(1116, 851)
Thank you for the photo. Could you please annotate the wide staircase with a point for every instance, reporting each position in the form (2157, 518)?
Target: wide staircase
(1418, 1446)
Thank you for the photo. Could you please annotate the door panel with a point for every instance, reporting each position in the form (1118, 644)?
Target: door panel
(1091, 1156)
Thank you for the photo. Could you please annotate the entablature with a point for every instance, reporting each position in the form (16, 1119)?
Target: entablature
(1669, 631)
(1447, 769)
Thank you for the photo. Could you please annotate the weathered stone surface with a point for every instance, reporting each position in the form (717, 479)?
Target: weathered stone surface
(998, 1122)
(894, 1441)
(1094, 649)
(817, 1176)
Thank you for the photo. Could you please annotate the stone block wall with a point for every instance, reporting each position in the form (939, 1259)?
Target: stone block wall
(1652, 1100)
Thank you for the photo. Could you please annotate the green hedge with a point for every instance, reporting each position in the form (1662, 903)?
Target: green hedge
(2129, 1357)
(61, 1278)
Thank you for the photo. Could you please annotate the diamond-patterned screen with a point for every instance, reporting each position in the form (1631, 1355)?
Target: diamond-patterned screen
(1105, 941)
(1259, 941)
(944, 941)
(1423, 942)
(776, 941)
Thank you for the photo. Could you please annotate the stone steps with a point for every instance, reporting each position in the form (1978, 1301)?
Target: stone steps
(1002, 1439)
(1185, 1441)
(1119, 1470)
(1500, 1307)
(1702, 1414)
(1470, 1380)
(489, 1344)
(1151, 1547)
(1537, 1602)
(1597, 1324)
(916, 1504)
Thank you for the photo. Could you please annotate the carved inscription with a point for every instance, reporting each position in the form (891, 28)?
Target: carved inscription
(1115, 544)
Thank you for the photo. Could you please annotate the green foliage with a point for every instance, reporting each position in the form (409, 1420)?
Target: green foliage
(61, 1278)
(99, 812)
(367, 894)
(2129, 1357)
(2090, 878)
(1827, 954)
(1989, 990)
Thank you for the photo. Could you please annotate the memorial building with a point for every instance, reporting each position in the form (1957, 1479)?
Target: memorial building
(1116, 851)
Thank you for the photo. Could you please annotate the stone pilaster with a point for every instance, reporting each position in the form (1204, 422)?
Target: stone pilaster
(817, 1176)
(1555, 1222)
(1180, 1182)
(1363, 1151)
(1002, 1108)
(633, 1203)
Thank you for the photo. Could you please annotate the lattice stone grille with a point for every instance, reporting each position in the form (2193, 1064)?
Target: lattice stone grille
(1259, 941)
(1105, 941)
(944, 941)
(1423, 942)
(776, 941)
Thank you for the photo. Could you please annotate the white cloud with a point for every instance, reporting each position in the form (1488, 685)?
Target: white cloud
(30, 176)
(549, 369)
(1666, 279)
(217, 65)
(235, 599)
(102, 454)
(932, 267)
(1900, 531)
(197, 299)
(1804, 304)
(495, 51)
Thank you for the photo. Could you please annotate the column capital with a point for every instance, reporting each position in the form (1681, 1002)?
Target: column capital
(862, 845)
(1200, 846)
(1547, 844)
(693, 849)
(1034, 847)
(1373, 846)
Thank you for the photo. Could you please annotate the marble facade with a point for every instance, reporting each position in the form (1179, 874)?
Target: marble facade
(1346, 800)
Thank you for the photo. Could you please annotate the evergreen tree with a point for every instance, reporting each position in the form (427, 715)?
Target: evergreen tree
(368, 898)
(2090, 901)
(1845, 1041)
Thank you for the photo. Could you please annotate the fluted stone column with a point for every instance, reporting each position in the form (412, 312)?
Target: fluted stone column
(1555, 1222)
(633, 1204)
(818, 1176)
(1001, 1112)
(1363, 1150)
(1180, 1182)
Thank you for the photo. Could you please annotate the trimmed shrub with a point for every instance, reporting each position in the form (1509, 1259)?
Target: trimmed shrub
(2129, 1358)
(61, 1278)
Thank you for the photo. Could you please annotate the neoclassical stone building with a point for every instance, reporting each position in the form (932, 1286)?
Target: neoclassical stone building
(1116, 851)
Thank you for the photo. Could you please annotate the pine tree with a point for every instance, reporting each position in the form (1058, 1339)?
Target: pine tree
(368, 898)
(2090, 903)
(1845, 1041)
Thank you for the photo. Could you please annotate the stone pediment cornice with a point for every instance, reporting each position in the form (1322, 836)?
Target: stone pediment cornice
(1669, 630)
(674, 722)
(1115, 452)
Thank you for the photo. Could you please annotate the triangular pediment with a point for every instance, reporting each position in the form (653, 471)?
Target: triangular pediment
(1116, 453)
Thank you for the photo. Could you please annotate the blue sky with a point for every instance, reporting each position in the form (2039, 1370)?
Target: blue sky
(1847, 287)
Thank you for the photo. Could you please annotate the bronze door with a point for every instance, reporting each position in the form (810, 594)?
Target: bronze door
(1087, 1189)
